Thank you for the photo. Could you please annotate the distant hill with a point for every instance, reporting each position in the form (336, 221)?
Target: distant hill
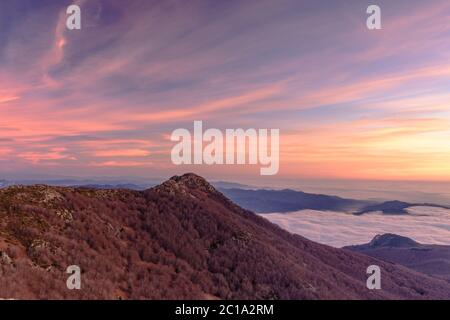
(389, 207)
(93, 183)
(179, 240)
(395, 207)
(430, 259)
(267, 201)
(130, 186)
(231, 185)
(282, 201)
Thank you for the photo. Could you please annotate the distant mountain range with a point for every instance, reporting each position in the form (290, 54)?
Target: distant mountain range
(108, 184)
(396, 207)
(429, 259)
(254, 199)
(268, 201)
(95, 183)
(182, 239)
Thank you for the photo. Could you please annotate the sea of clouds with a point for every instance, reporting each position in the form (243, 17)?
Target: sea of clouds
(426, 225)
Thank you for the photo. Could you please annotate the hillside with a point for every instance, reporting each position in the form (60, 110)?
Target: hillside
(180, 240)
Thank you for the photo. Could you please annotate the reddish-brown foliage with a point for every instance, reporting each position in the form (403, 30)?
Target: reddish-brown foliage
(182, 239)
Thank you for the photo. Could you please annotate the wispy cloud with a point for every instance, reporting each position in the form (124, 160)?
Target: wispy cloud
(349, 102)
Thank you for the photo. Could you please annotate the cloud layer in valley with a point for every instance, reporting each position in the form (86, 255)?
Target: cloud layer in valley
(424, 224)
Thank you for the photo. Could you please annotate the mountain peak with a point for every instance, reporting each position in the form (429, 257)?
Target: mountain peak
(186, 183)
(191, 179)
(392, 240)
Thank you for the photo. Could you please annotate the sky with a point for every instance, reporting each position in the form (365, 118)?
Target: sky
(350, 103)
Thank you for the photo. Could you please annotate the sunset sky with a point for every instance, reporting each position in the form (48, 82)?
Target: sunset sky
(102, 101)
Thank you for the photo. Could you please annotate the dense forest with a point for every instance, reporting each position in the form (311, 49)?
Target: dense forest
(180, 240)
